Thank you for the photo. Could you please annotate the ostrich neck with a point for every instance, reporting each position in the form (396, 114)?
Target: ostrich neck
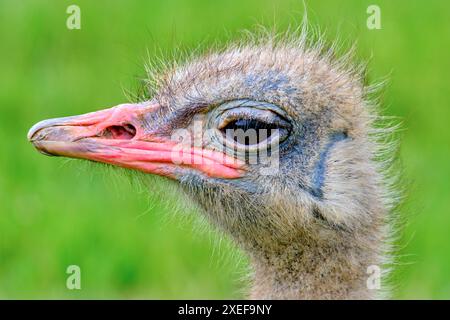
(311, 270)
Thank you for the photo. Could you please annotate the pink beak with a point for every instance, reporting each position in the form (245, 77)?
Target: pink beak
(117, 136)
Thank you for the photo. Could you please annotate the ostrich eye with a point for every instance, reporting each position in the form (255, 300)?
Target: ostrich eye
(252, 125)
(252, 131)
(245, 124)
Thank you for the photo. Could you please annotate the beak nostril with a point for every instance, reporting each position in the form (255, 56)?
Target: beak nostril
(123, 132)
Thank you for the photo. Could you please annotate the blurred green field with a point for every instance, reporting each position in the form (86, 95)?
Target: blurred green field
(55, 212)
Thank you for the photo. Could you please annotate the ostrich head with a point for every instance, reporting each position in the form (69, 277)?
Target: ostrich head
(273, 140)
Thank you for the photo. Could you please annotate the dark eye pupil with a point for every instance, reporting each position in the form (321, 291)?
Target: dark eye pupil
(246, 124)
(249, 131)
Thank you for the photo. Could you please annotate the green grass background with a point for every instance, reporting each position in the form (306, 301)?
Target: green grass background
(54, 212)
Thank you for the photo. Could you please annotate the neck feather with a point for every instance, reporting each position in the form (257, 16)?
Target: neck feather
(313, 270)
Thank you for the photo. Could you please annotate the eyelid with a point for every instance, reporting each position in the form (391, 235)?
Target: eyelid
(251, 104)
(246, 113)
(254, 113)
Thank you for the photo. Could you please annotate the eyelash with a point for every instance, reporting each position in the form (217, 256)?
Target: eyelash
(238, 130)
(246, 124)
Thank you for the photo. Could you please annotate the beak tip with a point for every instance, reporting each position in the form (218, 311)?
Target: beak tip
(35, 128)
(31, 133)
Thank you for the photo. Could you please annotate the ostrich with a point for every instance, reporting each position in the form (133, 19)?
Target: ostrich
(313, 221)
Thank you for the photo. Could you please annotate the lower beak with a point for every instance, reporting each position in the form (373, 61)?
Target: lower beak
(118, 136)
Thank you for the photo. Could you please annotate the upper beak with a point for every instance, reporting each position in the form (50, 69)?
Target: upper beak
(118, 136)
